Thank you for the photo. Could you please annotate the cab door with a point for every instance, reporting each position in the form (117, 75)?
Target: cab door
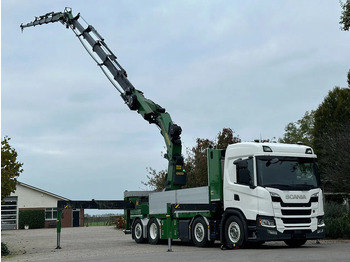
(240, 187)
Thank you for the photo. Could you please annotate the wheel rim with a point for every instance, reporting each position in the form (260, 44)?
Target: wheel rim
(153, 231)
(234, 232)
(199, 232)
(138, 231)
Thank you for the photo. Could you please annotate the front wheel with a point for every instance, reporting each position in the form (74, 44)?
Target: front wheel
(295, 242)
(234, 232)
(137, 232)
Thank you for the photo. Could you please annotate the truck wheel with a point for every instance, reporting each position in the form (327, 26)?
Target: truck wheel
(295, 242)
(137, 232)
(153, 234)
(200, 232)
(234, 232)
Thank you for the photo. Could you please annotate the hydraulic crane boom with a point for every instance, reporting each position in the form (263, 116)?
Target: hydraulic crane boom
(150, 111)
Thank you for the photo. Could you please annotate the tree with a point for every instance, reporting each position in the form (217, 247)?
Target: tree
(332, 139)
(345, 15)
(225, 138)
(345, 21)
(10, 168)
(156, 180)
(301, 130)
(195, 163)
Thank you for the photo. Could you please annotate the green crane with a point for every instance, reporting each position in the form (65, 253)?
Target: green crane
(94, 44)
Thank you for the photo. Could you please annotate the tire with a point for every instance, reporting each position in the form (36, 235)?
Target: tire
(153, 231)
(295, 242)
(200, 232)
(234, 232)
(137, 232)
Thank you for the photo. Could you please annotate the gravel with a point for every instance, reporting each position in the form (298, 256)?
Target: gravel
(105, 243)
(78, 244)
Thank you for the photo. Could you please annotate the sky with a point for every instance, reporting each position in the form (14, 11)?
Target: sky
(252, 66)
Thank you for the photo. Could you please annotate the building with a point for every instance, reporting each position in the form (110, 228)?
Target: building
(27, 197)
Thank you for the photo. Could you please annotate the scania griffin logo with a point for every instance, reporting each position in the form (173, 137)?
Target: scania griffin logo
(295, 197)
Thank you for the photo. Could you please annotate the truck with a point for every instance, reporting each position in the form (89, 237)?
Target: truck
(257, 191)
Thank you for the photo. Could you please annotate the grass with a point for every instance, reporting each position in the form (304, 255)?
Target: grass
(95, 224)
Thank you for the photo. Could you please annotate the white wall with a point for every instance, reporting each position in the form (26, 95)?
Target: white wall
(30, 198)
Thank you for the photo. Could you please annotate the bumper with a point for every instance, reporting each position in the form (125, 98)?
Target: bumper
(271, 234)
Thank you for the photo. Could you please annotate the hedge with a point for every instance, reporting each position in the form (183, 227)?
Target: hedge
(337, 219)
(32, 218)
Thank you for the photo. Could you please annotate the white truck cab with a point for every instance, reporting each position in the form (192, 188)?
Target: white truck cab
(276, 188)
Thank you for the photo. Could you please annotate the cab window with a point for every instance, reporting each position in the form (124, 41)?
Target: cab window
(245, 171)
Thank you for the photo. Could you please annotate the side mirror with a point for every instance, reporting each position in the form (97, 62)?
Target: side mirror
(244, 177)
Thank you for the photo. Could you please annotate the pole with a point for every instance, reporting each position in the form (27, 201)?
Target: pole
(58, 226)
(169, 227)
(169, 245)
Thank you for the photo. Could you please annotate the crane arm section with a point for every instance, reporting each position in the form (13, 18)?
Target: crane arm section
(135, 99)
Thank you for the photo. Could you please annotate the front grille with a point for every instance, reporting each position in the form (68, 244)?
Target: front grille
(294, 215)
(296, 212)
(296, 204)
(296, 220)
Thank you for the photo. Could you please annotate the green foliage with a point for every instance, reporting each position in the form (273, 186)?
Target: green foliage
(332, 139)
(300, 131)
(10, 168)
(333, 112)
(33, 218)
(4, 249)
(345, 15)
(337, 219)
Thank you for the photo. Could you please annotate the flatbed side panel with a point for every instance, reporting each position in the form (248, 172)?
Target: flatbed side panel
(198, 195)
(158, 200)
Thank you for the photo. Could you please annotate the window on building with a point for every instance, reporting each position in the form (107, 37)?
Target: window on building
(50, 213)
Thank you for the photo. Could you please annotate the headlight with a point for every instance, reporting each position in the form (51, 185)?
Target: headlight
(274, 194)
(266, 222)
(320, 222)
(275, 197)
(315, 195)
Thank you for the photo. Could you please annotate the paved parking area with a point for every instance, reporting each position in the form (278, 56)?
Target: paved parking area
(109, 244)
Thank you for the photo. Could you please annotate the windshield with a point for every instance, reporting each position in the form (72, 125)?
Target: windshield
(290, 173)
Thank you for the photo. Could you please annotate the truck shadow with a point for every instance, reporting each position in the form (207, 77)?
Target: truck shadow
(265, 246)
